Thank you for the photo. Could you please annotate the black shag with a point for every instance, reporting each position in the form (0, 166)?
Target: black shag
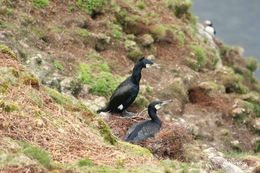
(148, 128)
(127, 91)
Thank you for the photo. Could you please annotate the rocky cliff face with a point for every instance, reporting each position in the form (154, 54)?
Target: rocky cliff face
(60, 61)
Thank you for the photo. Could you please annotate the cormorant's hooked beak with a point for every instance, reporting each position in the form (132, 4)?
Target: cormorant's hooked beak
(156, 65)
(152, 65)
(166, 102)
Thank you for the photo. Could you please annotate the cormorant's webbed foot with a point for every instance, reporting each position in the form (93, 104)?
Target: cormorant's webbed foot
(125, 113)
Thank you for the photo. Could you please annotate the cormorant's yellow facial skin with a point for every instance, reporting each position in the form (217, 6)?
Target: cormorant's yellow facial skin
(148, 65)
(158, 106)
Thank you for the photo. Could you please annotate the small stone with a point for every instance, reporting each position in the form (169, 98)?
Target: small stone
(224, 132)
(39, 123)
(235, 145)
(238, 111)
(61, 130)
(256, 124)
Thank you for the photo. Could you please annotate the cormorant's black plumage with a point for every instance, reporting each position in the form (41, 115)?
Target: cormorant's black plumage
(148, 128)
(127, 91)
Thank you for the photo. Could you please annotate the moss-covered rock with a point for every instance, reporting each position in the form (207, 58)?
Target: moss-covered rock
(6, 50)
(232, 82)
(134, 149)
(8, 107)
(38, 154)
(106, 132)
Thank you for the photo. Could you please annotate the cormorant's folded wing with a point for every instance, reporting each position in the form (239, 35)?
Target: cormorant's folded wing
(122, 93)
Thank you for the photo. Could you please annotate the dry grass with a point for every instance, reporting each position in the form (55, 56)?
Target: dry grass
(66, 135)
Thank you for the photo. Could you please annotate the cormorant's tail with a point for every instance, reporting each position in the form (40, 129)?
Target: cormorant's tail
(102, 110)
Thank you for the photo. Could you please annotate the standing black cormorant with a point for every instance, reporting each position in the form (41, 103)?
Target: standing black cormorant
(148, 128)
(127, 91)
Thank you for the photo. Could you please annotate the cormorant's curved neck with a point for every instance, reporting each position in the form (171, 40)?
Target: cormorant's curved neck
(136, 74)
(153, 114)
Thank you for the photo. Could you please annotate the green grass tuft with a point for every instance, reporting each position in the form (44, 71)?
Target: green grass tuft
(104, 84)
(6, 50)
(101, 81)
(58, 65)
(40, 3)
(38, 154)
(252, 64)
(117, 31)
(141, 4)
(179, 7)
(159, 31)
(8, 107)
(92, 6)
(106, 132)
(85, 162)
(200, 55)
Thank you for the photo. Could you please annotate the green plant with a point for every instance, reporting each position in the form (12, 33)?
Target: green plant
(141, 4)
(104, 67)
(58, 65)
(35, 97)
(106, 132)
(8, 107)
(158, 31)
(6, 50)
(257, 147)
(178, 33)
(254, 107)
(84, 74)
(85, 162)
(59, 98)
(6, 11)
(38, 154)
(200, 55)
(117, 31)
(40, 3)
(179, 7)
(83, 33)
(102, 83)
(251, 63)
(91, 6)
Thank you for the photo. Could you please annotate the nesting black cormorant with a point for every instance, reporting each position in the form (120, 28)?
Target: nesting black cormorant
(148, 128)
(127, 91)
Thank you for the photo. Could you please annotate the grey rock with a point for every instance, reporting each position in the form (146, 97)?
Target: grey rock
(219, 161)
(256, 124)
